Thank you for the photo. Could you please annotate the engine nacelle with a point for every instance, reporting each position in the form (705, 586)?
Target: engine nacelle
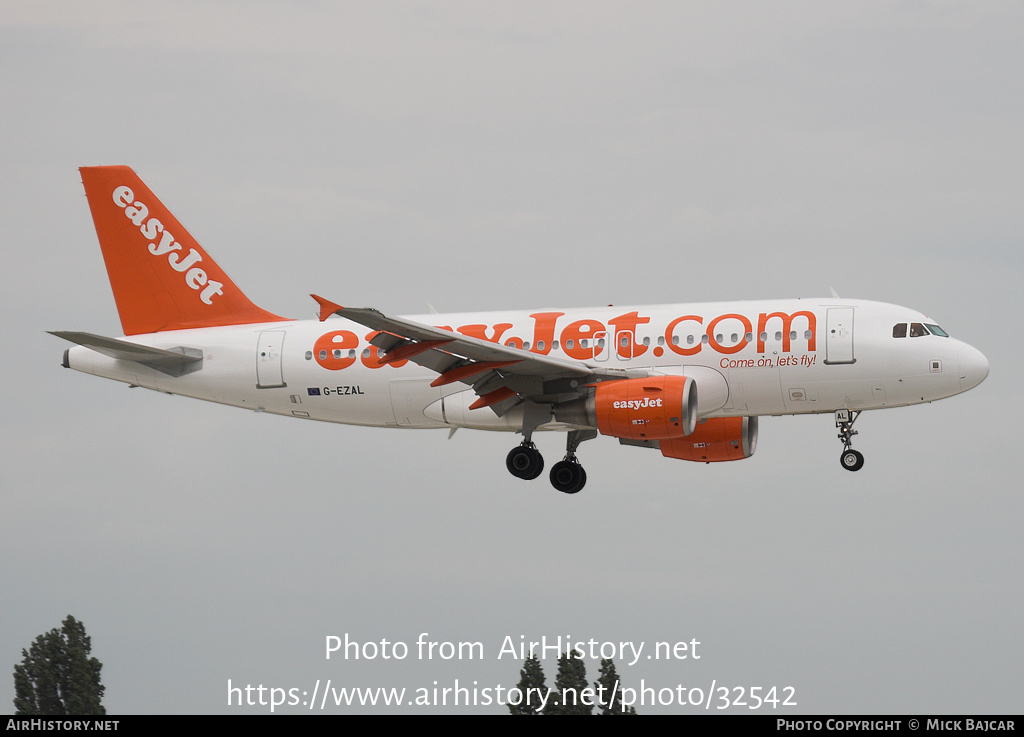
(653, 408)
(716, 439)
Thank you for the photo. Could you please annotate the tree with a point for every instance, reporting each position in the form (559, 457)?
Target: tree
(532, 686)
(570, 681)
(57, 676)
(609, 690)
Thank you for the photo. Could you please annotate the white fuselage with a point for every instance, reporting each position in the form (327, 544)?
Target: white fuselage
(748, 358)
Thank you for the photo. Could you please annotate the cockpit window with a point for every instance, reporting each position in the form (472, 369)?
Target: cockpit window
(917, 329)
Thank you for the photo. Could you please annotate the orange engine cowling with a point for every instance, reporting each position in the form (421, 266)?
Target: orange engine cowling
(654, 408)
(717, 439)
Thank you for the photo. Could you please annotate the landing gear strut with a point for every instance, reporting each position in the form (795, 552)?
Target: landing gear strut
(850, 459)
(525, 461)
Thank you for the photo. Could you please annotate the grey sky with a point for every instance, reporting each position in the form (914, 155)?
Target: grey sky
(521, 155)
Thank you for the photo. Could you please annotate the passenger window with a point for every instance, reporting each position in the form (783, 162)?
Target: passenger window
(899, 330)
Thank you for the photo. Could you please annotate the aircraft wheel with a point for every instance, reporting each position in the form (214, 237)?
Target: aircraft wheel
(524, 462)
(568, 477)
(851, 460)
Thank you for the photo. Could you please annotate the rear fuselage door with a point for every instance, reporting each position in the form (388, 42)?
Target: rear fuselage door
(268, 360)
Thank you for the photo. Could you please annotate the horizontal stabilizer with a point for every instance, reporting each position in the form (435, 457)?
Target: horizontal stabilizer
(176, 361)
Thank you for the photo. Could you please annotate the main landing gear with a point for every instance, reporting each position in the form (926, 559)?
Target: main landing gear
(568, 476)
(850, 459)
(525, 462)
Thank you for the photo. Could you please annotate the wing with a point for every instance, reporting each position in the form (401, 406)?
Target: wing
(501, 375)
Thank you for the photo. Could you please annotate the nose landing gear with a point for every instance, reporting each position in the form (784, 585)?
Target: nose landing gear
(850, 459)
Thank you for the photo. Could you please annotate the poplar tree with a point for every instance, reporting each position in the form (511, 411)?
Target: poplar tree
(570, 681)
(609, 690)
(532, 686)
(57, 675)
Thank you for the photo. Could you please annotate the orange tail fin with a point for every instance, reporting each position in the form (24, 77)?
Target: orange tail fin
(161, 277)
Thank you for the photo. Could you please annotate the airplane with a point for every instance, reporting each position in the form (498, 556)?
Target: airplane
(689, 380)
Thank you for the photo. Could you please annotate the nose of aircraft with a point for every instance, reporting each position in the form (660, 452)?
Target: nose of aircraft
(973, 367)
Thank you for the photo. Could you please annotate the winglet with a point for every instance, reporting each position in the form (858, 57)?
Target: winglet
(327, 308)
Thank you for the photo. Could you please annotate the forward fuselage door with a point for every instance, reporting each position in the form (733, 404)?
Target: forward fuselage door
(268, 360)
(839, 336)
